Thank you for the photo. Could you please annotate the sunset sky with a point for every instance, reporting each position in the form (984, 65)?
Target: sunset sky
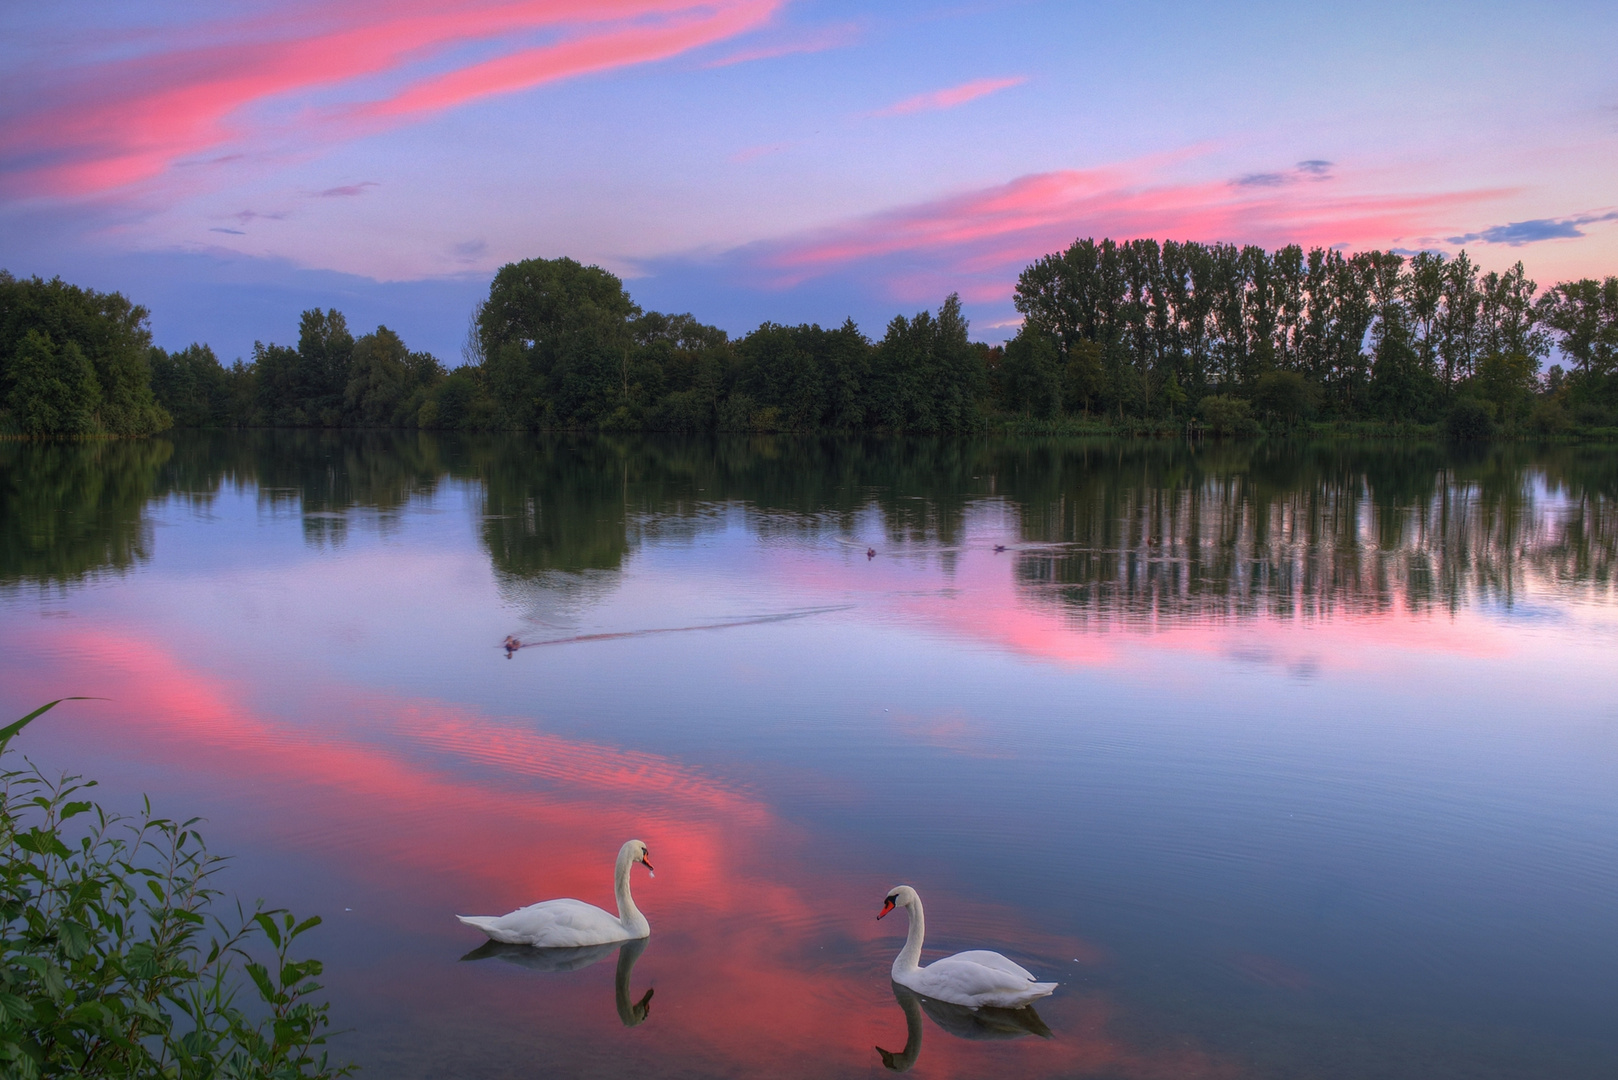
(229, 164)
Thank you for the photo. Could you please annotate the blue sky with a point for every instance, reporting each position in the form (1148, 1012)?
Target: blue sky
(228, 165)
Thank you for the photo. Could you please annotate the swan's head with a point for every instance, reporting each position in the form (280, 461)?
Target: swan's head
(900, 896)
(636, 850)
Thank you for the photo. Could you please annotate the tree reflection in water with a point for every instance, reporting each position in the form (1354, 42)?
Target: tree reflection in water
(1106, 530)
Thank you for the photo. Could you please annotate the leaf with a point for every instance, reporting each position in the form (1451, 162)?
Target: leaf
(261, 979)
(10, 730)
(266, 920)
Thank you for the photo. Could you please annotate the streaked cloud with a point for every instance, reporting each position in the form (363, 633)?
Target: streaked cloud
(1517, 233)
(814, 41)
(752, 153)
(348, 189)
(977, 241)
(1304, 170)
(150, 102)
(950, 97)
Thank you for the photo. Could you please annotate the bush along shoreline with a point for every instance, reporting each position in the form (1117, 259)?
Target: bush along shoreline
(119, 958)
(1134, 337)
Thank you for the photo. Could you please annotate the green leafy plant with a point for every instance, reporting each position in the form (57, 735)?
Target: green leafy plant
(113, 962)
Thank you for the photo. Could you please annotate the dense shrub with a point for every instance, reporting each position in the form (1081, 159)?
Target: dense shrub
(1469, 420)
(113, 961)
(1548, 417)
(1225, 414)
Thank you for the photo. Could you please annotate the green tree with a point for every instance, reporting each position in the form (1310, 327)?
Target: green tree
(385, 379)
(559, 334)
(1507, 381)
(53, 390)
(325, 353)
(1584, 316)
(1032, 374)
(192, 386)
(90, 346)
(1284, 395)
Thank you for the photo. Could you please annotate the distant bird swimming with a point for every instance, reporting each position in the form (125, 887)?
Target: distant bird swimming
(999, 547)
(870, 553)
(511, 645)
(975, 978)
(566, 924)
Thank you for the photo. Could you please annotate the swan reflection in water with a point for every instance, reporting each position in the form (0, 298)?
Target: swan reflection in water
(630, 1012)
(987, 1022)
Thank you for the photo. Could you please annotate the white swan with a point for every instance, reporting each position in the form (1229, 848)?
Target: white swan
(555, 924)
(974, 979)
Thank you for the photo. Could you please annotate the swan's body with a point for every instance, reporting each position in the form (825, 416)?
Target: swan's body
(974, 979)
(569, 924)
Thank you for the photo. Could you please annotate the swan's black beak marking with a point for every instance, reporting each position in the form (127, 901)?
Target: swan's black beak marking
(887, 906)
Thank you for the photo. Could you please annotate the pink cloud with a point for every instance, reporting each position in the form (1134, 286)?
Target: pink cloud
(951, 97)
(105, 124)
(976, 242)
(832, 37)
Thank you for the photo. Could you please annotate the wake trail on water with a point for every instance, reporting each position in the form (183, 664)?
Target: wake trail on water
(752, 620)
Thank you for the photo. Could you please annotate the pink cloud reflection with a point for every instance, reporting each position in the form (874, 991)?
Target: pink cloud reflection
(101, 125)
(434, 806)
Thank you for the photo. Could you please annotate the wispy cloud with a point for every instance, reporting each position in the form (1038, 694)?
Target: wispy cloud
(106, 121)
(977, 242)
(1517, 233)
(950, 97)
(348, 189)
(821, 40)
(752, 153)
(1314, 169)
(232, 232)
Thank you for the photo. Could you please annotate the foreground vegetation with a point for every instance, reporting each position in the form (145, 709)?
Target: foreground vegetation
(115, 960)
(1138, 336)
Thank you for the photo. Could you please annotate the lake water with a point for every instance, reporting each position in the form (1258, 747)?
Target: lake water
(1285, 761)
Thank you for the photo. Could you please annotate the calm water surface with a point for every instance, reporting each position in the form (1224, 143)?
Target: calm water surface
(1284, 762)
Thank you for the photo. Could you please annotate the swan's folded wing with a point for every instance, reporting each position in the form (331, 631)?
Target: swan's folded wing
(559, 924)
(962, 978)
(995, 960)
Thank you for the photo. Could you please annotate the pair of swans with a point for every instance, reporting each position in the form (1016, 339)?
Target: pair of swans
(974, 979)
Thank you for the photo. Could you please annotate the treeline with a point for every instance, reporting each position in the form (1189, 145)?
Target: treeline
(1148, 329)
(1137, 333)
(558, 345)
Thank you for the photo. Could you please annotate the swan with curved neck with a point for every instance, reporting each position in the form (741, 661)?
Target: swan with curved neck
(975, 978)
(556, 924)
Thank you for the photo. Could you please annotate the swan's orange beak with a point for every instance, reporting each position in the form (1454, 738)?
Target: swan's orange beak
(887, 906)
(646, 863)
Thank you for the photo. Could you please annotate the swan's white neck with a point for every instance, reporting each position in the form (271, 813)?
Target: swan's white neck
(628, 914)
(909, 958)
